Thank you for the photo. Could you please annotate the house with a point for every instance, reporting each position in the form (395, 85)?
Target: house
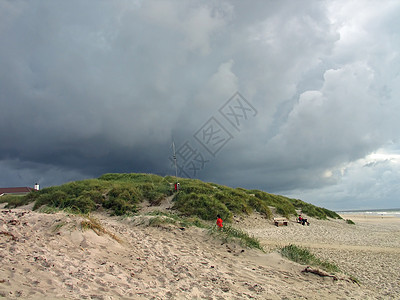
(18, 190)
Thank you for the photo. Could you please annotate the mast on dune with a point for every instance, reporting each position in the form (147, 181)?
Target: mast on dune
(176, 168)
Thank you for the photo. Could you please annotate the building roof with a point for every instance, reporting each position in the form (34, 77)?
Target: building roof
(15, 190)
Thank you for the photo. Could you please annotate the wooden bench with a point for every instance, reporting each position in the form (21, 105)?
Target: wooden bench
(280, 221)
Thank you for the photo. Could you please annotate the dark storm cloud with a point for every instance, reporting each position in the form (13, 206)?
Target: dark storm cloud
(97, 86)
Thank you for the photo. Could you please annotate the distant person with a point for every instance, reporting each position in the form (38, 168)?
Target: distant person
(302, 221)
(219, 222)
(177, 186)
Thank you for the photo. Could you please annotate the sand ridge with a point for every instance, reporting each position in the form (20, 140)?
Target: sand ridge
(50, 255)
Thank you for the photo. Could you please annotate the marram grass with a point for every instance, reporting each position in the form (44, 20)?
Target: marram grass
(305, 257)
(228, 233)
(121, 194)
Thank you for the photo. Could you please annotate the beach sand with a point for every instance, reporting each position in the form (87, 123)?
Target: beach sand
(50, 255)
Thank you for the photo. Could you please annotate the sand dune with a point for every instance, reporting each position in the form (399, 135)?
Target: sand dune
(49, 255)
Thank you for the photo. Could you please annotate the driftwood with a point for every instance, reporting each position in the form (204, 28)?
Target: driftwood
(318, 272)
(308, 269)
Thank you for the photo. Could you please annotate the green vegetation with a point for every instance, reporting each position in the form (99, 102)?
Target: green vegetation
(14, 201)
(97, 227)
(161, 218)
(305, 257)
(228, 233)
(122, 193)
(314, 211)
(348, 221)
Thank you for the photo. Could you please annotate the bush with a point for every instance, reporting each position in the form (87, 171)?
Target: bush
(348, 221)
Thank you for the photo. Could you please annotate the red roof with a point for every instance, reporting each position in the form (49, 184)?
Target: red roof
(15, 190)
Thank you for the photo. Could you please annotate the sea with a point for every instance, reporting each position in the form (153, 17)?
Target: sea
(392, 212)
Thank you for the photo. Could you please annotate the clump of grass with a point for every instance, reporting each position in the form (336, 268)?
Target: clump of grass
(13, 201)
(58, 226)
(305, 257)
(171, 218)
(230, 233)
(48, 209)
(348, 221)
(161, 220)
(97, 227)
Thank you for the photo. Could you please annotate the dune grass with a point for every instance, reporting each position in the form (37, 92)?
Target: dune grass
(95, 225)
(305, 257)
(122, 193)
(14, 200)
(161, 218)
(229, 233)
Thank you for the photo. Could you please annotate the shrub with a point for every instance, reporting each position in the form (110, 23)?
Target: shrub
(348, 221)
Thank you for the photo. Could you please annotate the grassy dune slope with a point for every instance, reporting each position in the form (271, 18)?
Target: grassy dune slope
(122, 193)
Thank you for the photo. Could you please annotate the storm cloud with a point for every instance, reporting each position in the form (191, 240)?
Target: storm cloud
(91, 87)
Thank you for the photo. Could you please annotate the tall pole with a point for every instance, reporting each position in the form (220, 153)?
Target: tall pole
(176, 168)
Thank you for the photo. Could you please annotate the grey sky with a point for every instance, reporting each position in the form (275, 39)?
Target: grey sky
(90, 87)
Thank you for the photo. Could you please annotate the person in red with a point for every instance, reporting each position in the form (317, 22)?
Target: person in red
(300, 219)
(219, 222)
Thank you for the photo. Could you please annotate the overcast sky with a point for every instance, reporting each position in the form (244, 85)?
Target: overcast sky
(299, 98)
